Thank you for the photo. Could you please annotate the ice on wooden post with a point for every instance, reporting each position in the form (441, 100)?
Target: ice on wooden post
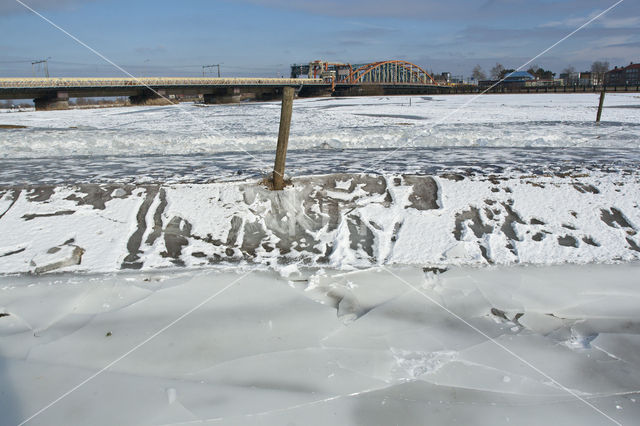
(283, 137)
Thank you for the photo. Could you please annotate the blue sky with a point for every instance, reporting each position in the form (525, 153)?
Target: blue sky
(263, 37)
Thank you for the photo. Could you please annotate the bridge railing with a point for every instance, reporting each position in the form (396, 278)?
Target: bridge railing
(56, 83)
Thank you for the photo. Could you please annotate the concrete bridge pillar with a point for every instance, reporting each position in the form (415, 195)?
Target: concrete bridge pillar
(229, 95)
(57, 101)
(314, 91)
(149, 97)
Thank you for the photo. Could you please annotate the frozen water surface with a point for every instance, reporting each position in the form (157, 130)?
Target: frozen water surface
(319, 347)
(339, 123)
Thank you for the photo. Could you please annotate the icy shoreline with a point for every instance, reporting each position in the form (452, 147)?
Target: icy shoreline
(340, 221)
(510, 162)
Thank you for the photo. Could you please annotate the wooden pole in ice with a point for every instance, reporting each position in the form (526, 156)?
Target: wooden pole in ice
(283, 137)
(600, 105)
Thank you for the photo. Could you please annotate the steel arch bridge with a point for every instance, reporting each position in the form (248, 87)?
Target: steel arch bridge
(391, 72)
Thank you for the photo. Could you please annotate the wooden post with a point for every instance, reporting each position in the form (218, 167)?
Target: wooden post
(283, 137)
(600, 105)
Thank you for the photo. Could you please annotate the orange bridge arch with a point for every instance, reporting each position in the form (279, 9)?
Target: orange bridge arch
(393, 71)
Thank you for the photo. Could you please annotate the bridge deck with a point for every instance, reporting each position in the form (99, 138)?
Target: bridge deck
(61, 83)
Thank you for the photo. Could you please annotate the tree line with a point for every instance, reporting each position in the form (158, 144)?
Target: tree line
(499, 72)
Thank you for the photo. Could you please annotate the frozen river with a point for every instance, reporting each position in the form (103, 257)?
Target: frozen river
(525, 134)
(542, 120)
(442, 260)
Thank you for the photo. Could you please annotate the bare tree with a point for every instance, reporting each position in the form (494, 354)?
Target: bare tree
(533, 69)
(478, 74)
(497, 71)
(600, 67)
(569, 70)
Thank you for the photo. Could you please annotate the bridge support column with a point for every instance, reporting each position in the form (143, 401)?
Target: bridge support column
(229, 95)
(149, 97)
(57, 101)
(314, 91)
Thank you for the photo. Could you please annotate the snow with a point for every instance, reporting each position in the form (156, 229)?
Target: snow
(338, 220)
(533, 120)
(265, 352)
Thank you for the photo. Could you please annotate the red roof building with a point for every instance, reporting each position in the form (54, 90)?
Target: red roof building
(629, 75)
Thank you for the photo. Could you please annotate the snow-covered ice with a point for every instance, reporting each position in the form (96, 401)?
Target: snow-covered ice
(541, 120)
(369, 347)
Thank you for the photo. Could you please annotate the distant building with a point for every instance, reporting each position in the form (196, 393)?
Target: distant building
(443, 78)
(570, 79)
(629, 75)
(518, 77)
(544, 82)
(585, 79)
(513, 79)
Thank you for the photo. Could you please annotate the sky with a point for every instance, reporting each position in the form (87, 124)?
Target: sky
(264, 37)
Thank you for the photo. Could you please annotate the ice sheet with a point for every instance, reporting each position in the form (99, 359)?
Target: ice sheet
(273, 350)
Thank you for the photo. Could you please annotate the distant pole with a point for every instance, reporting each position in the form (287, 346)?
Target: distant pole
(283, 137)
(600, 105)
(205, 67)
(45, 66)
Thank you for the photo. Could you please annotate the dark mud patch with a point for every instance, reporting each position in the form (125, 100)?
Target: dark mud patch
(614, 218)
(633, 245)
(40, 194)
(425, 192)
(584, 188)
(538, 237)
(10, 253)
(157, 219)
(97, 195)
(507, 227)
(131, 261)
(434, 270)
(360, 235)
(477, 226)
(590, 241)
(452, 176)
(31, 216)
(176, 236)
(568, 241)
